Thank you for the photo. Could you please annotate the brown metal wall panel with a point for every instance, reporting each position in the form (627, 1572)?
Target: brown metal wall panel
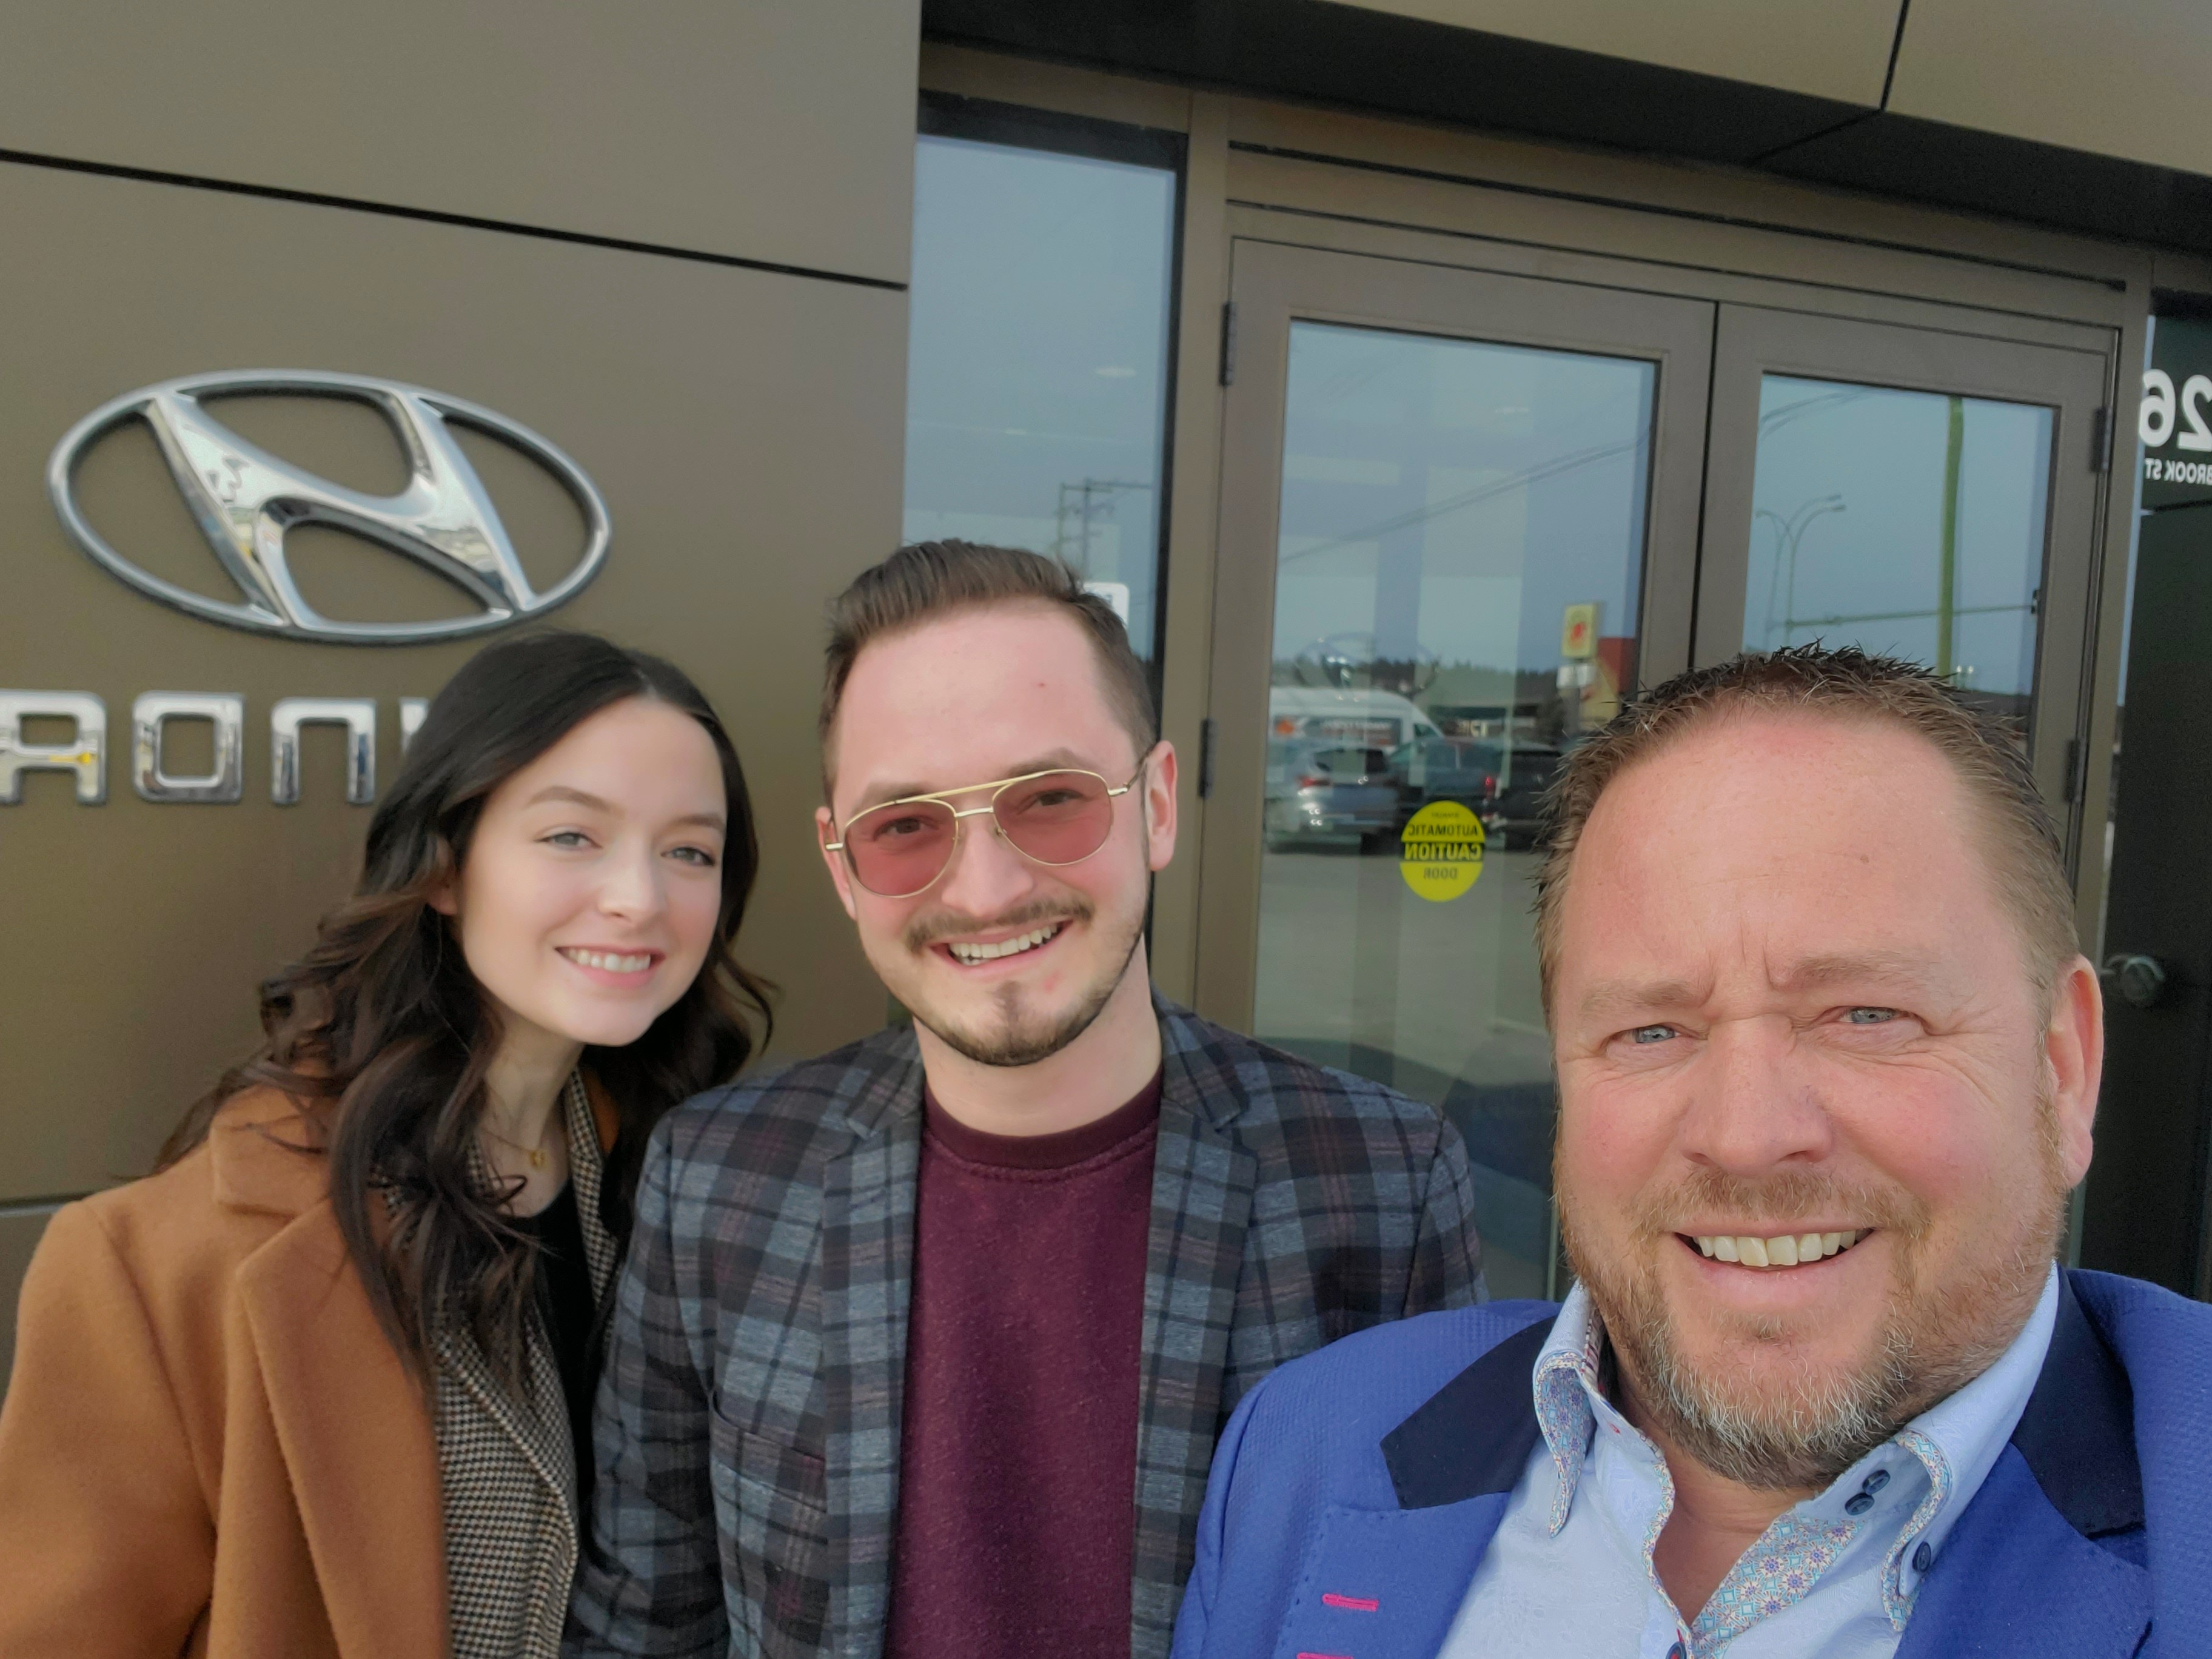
(2121, 78)
(20, 1230)
(744, 428)
(1828, 48)
(779, 131)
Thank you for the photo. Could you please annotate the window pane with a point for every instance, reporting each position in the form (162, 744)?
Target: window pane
(1462, 542)
(1037, 372)
(1904, 522)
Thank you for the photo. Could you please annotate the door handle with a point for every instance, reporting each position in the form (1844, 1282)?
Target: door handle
(2140, 980)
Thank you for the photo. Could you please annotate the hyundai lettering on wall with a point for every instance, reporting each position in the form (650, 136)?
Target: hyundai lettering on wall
(2176, 423)
(245, 501)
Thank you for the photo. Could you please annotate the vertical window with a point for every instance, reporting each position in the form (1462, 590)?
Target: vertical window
(1043, 320)
(1904, 522)
(1458, 564)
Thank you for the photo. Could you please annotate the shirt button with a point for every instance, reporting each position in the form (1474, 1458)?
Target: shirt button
(1877, 1480)
(1859, 1504)
(1922, 1558)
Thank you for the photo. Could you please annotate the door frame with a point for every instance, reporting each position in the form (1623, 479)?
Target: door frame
(1272, 285)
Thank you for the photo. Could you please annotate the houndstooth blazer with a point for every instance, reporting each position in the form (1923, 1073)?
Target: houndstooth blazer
(507, 1467)
(749, 1416)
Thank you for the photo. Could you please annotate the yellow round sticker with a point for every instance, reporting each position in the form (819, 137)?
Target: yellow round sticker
(1440, 852)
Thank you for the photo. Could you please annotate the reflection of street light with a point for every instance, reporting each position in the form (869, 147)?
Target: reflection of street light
(1788, 533)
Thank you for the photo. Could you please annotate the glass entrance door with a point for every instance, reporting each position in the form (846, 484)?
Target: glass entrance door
(1910, 491)
(1462, 498)
(1463, 513)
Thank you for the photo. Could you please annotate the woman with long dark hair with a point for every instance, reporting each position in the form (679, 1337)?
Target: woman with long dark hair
(322, 1383)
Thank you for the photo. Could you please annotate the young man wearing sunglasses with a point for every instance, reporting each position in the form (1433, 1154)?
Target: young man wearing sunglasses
(923, 1347)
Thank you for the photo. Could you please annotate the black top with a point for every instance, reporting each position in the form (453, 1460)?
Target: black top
(566, 1305)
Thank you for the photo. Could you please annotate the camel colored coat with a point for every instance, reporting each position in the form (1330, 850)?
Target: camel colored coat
(209, 1447)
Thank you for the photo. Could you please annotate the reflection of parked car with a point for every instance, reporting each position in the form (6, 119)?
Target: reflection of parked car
(1514, 817)
(1446, 769)
(1319, 794)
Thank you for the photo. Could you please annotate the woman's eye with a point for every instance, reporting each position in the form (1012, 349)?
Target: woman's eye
(1648, 1034)
(698, 856)
(1870, 1016)
(567, 839)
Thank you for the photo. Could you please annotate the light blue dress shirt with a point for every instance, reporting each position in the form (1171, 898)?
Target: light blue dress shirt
(1570, 1574)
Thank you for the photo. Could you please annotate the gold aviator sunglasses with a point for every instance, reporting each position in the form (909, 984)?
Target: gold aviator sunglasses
(1056, 818)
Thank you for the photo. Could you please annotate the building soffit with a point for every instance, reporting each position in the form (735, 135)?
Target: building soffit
(1831, 123)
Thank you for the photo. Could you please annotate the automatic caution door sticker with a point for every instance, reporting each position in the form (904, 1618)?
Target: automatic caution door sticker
(1440, 852)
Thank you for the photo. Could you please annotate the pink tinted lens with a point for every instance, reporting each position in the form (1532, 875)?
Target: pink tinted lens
(1057, 817)
(901, 848)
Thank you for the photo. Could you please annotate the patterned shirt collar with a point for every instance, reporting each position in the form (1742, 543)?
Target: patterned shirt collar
(1952, 1446)
(1569, 1393)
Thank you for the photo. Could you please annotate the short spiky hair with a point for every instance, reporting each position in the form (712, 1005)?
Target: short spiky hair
(934, 579)
(2026, 855)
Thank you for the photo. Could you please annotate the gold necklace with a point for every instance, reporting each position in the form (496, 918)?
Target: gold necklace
(536, 1154)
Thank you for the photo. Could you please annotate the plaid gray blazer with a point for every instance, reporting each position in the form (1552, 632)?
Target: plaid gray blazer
(506, 1466)
(747, 1419)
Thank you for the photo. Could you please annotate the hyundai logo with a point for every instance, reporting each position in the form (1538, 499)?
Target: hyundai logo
(246, 499)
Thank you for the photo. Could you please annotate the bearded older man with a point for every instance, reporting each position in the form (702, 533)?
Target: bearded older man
(1827, 1057)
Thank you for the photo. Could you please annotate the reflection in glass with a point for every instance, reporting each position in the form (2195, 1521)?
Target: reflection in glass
(1461, 539)
(1036, 367)
(1904, 522)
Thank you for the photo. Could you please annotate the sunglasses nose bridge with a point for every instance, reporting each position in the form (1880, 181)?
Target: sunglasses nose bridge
(989, 809)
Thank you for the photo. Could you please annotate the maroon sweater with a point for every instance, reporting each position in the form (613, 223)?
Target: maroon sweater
(1017, 1475)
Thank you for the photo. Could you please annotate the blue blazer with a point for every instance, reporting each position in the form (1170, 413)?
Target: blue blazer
(1355, 1491)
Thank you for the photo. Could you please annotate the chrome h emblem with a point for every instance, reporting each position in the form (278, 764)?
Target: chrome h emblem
(246, 499)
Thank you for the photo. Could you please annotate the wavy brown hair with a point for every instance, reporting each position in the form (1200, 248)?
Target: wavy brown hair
(384, 1037)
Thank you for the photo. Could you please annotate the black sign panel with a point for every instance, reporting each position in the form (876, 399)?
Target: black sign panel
(2145, 1212)
(2176, 423)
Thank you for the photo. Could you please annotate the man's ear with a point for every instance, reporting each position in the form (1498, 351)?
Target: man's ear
(825, 831)
(1158, 781)
(2074, 1061)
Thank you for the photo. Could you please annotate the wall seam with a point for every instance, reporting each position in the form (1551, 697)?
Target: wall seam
(1844, 125)
(15, 1207)
(1896, 46)
(439, 217)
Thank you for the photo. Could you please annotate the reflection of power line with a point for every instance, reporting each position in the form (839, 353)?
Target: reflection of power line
(1770, 423)
(1353, 377)
(1904, 616)
(1505, 486)
(1775, 419)
(1083, 504)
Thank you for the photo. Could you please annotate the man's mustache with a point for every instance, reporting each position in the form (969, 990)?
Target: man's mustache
(1773, 1202)
(925, 931)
